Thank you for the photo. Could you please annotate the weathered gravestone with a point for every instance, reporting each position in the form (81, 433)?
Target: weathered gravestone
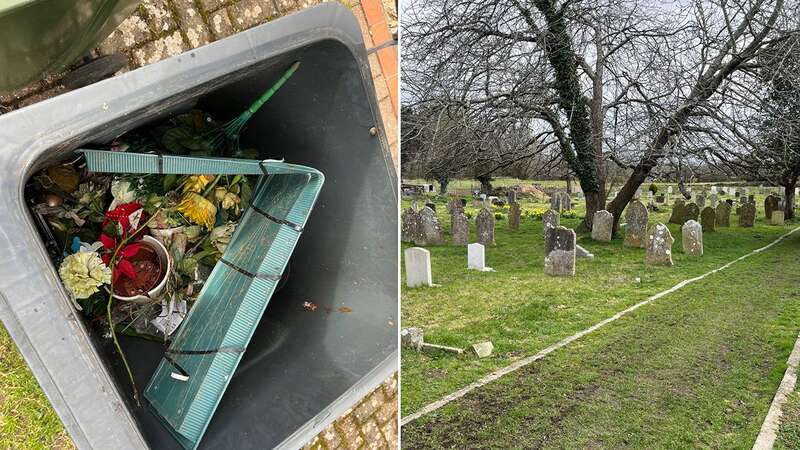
(418, 267)
(410, 225)
(559, 252)
(678, 212)
(511, 196)
(412, 338)
(602, 225)
(550, 220)
(692, 212)
(484, 225)
(751, 198)
(560, 201)
(714, 200)
(770, 204)
(747, 215)
(455, 204)
(659, 246)
(708, 219)
(692, 238)
(777, 217)
(476, 257)
(701, 200)
(430, 230)
(723, 214)
(636, 217)
(513, 216)
(459, 225)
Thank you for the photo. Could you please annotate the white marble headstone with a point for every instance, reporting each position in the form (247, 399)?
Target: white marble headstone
(476, 257)
(418, 267)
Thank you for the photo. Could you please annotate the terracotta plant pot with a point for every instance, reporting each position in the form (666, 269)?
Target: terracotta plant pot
(165, 260)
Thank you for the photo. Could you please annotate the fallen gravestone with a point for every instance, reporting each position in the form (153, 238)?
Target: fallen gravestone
(777, 217)
(692, 238)
(412, 338)
(484, 225)
(723, 214)
(636, 217)
(581, 252)
(410, 225)
(430, 230)
(692, 212)
(602, 225)
(433, 348)
(476, 258)
(550, 220)
(513, 216)
(708, 219)
(418, 267)
(678, 212)
(747, 215)
(459, 225)
(483, 349)
(559, 259)
(659, 246)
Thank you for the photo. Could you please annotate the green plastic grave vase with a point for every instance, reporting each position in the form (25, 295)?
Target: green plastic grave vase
(42, 36)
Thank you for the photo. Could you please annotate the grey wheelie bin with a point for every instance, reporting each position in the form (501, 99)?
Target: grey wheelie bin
(302, 369)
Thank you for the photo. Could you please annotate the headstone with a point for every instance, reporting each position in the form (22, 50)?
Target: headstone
(636, 217)
(581, 252)
(483, 349)
(708, 219)
(751, 198)
(559, 259)
(476, 258)
(747, 215)
(459, 225)
(678, 212)
(430, 230)
(723, 214)
(418, 267)
(777, 217)
(412, 338)
(513, 216)
(512, 196)
(692, 238)
(737, 194)
(714, 200)
(410, 225)
(455, 204)
(560, 201)
(550, 220)
(659, 246)
(770, 204)
(602, 225)
(484, 225)
(431, 205)
(701, 201)
(692, 212)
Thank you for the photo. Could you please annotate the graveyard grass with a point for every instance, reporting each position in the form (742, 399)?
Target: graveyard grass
(715, 349)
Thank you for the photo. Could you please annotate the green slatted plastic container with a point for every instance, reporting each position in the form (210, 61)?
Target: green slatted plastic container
(232, 301)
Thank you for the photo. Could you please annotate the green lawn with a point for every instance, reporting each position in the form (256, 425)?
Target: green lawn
(522, 311)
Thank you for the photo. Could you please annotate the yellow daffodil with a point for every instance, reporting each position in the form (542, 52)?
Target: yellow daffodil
(196, 183)
(198, 209)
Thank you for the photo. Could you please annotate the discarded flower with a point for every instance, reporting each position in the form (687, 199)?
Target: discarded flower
(221, 236)
(83, 273)
(197, 209)
(309, 306)
(196, 183)
(122, 192)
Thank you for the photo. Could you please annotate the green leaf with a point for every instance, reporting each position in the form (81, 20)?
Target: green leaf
(173, 140)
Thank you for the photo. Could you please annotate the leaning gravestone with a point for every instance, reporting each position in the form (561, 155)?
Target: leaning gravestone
(723, 214)
(636, 218)
(410, 225)
(777, 217)
(430, 230)
(692, 238)
(476, 258)
(602, 225)
(659, 246)
(678, 212)
(747, 215)
(484, 225)
(692, 212)
(559, 259)
(550, 220)
(708, 219)
(513, 216)
(418, 267)
(459, 225)
(770, 204)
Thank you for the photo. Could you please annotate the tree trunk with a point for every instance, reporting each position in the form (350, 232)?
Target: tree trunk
(443, 182)
(788, 190)
(626, 193)
(486, 184)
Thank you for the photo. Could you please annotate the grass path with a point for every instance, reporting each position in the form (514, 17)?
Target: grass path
(697, 368)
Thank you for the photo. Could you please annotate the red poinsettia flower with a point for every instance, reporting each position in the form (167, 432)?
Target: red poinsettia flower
(121, 215)
(123, 265)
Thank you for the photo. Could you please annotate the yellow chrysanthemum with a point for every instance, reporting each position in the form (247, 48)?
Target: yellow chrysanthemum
(197, 209)
(83, 272)
(196, 183)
